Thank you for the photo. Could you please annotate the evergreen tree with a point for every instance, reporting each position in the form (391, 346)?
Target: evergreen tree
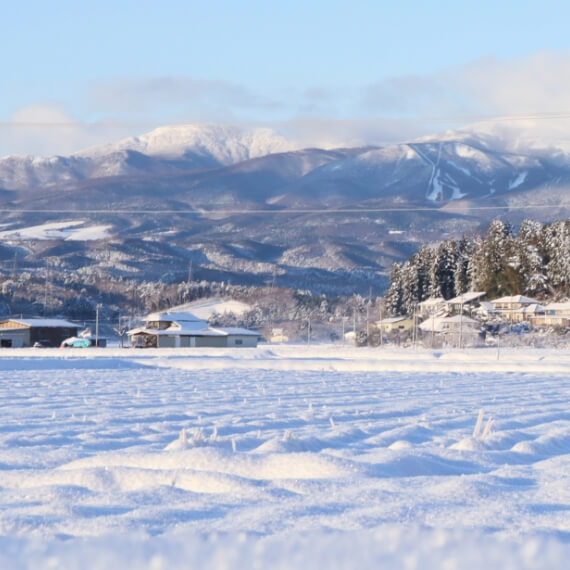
(461, 276)
(557, 249)
(394, 295)
(529, 258)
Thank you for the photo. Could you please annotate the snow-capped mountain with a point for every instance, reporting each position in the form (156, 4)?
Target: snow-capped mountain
(249, 205)
(223, 144)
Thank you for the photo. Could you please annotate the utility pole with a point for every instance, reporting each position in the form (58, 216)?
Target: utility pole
(461, 327)
(97, 307)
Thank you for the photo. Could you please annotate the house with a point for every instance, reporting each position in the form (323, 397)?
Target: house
(177, 329)
(517, 308)
(432, 306)
(395, 324)
(466, 302)
(459, 330)
(554, 315)
(18, 333)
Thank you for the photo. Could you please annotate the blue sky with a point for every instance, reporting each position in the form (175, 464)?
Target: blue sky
(75, 75)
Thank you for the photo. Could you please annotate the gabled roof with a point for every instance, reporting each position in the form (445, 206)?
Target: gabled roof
(433, 301)
(467, 297)
(234, 331)
(437, 324)
(175, 316)
(563, 306)
(185, 324)
(515, 299)
(459, 319)
(390, 320)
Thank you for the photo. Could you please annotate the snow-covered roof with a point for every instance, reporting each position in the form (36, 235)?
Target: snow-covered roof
(564, 306)
(45, 323)
(193, 331)
(176, 332)
(175, 316)
(515, 299)
(235, 331)
(433, 301)
(390, 320)
(467, 297)
(437, 323)
(534, 308)
(459, 319)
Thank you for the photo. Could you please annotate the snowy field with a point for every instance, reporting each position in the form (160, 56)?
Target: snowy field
(284, 457)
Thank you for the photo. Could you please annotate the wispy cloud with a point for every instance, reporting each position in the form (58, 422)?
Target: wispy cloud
(389, 110)
(47, 129)
(537, 83)
(181, 97)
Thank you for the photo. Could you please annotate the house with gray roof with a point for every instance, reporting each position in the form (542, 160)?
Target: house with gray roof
(177, 329)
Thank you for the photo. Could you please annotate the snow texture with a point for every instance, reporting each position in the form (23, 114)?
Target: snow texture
(284, 457)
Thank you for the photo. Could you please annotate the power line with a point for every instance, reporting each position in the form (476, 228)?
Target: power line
(538, 116)
(297, 211)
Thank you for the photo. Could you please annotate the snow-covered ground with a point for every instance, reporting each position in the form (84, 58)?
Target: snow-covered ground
(69, 231)
(284, 457)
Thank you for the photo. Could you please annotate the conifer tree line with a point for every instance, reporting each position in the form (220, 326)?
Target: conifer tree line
(534, 262)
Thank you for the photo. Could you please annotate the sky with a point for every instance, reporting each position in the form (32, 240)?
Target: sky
(324, 72)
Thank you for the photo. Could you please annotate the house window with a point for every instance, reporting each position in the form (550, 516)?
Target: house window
(238, 341)
(6, 343)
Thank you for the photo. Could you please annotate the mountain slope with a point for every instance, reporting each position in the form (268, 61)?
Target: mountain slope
(247, 206)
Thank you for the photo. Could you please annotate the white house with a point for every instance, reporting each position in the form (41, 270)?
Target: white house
(432, 306)
(517, 308)
(465, 302)
(177, 329)
(459, 330)
(554, 315)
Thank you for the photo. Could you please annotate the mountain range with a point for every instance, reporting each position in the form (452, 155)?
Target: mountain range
(249, 206)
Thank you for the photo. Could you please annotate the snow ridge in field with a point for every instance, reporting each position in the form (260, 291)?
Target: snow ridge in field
(455, 459)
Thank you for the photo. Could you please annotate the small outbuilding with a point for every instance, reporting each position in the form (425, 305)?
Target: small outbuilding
(19, 333)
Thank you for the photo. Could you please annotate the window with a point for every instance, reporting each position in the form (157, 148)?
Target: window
(238, 341)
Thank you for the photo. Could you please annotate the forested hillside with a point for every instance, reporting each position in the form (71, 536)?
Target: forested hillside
(535, 262)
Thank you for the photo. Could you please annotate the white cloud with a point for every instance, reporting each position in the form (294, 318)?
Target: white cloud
(523, 91)
(189, 99)
(46, 129)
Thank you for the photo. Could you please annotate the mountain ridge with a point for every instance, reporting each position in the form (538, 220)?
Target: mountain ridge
(336, 218)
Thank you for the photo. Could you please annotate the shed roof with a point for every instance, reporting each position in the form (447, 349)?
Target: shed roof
(44, 323)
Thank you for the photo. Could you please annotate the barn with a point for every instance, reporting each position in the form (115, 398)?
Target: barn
(19, 333)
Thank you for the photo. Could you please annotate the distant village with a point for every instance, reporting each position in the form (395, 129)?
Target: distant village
(468, 320)
(477, 291)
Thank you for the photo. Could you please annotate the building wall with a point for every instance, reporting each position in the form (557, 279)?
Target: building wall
(243, 341)
(218, 341)
(166, 341)
(14, 338)
(20, 336)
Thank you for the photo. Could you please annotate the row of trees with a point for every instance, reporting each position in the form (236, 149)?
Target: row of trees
(534, 262)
